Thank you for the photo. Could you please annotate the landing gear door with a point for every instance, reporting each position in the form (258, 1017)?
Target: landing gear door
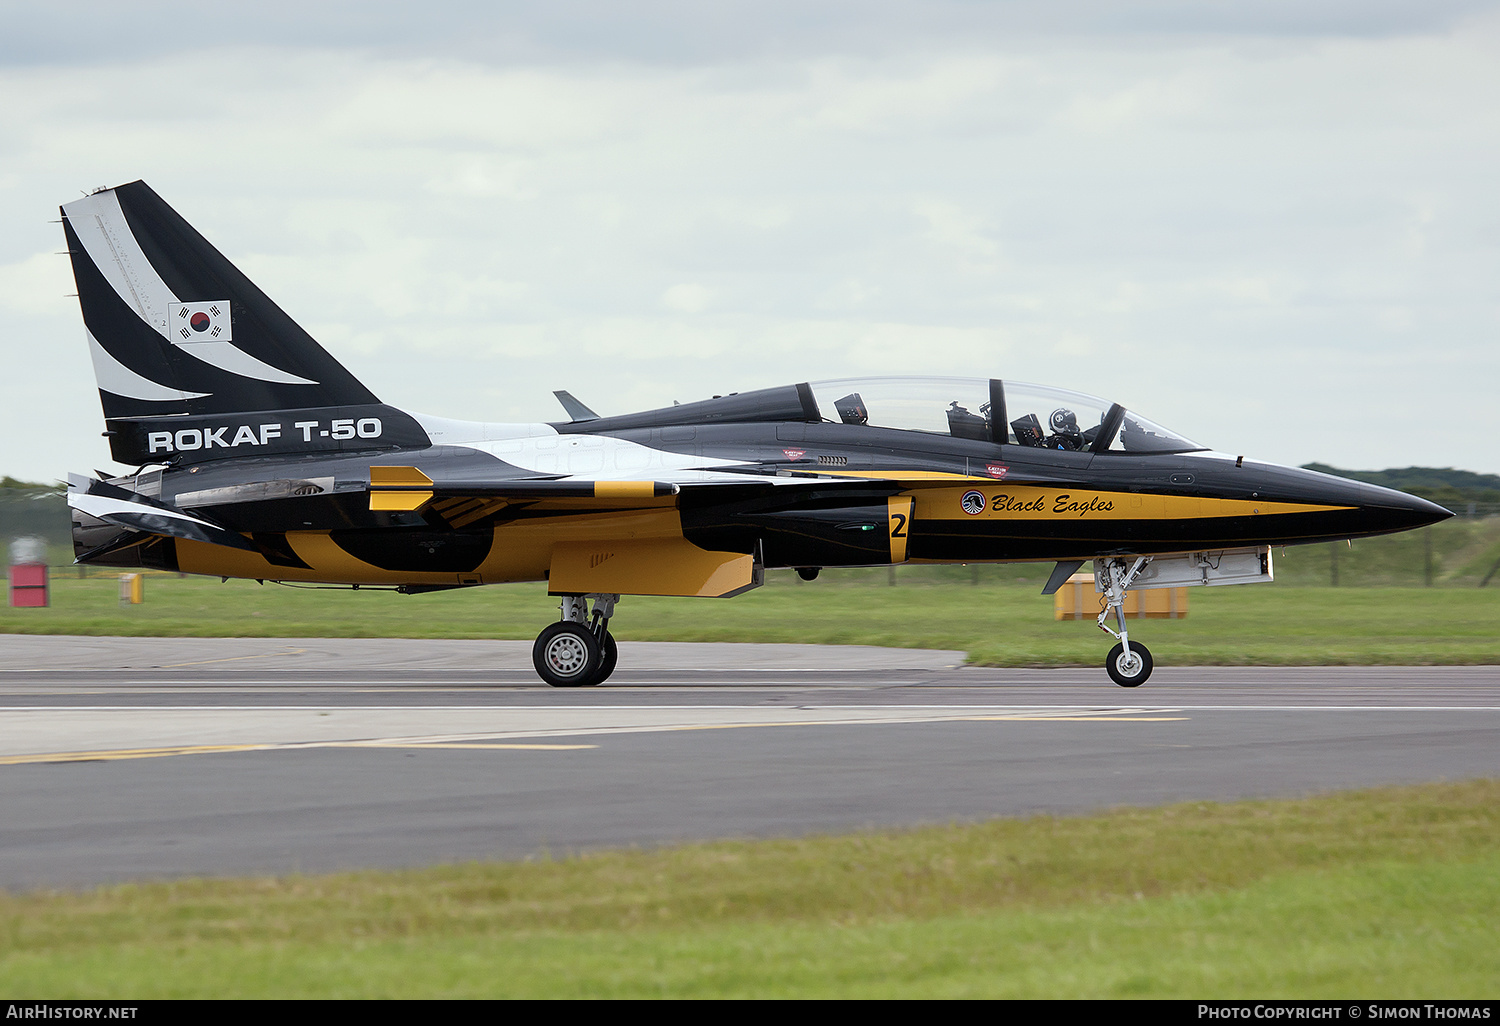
(898, 515)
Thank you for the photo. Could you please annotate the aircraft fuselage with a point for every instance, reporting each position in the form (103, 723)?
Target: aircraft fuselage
(1032, 503)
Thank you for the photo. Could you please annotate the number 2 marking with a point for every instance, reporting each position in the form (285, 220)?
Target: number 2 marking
(899, 530)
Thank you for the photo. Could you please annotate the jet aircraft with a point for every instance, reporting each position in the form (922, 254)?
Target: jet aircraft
(260, 456)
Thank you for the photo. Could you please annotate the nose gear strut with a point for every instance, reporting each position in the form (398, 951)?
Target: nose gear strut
(1128, 665)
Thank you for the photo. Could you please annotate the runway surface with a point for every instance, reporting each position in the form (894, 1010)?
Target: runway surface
(129, 758)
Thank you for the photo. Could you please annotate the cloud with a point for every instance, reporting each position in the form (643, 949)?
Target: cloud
(32, 286)
(678, 32)
(687, 297)
(1229, 215)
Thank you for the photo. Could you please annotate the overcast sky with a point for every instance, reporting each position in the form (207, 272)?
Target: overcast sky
(1272, 227)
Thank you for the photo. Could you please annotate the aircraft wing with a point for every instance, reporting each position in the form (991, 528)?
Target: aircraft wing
(394, 489)
(405, 489)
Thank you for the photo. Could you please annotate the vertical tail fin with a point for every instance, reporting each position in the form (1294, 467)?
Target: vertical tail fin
(177, 331)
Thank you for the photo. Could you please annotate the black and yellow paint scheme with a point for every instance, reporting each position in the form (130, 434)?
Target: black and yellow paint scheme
(262, 457)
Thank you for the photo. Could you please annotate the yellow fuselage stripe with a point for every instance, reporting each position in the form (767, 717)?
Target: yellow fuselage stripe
(1064, 502)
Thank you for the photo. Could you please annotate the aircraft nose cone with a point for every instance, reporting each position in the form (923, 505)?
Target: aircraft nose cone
(1400, 510)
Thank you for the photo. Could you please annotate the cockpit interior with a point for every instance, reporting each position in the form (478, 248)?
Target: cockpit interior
(991, 410)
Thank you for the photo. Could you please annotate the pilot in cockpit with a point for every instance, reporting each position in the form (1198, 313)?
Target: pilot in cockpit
(1065, 433)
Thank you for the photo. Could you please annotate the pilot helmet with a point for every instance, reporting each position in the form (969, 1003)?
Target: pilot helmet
(1064, 422)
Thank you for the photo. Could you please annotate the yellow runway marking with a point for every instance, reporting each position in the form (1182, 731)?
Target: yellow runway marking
(111, 755)
(234, 659)
(117, 754)
(447, 744)
(1087, 719)
(945, 719)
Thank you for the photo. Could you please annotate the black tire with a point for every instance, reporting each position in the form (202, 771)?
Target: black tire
(609, 655)
(566, 655)
(1131, 673)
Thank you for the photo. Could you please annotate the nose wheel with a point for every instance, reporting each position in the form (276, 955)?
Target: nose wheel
(1129, 669)
(578, 650)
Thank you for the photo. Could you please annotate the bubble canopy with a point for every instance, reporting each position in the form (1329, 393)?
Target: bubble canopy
(989, 409)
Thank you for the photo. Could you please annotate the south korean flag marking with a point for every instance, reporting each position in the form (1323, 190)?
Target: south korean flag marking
(200, 322)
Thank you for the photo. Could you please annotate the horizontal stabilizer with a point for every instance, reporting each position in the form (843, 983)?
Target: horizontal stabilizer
(124, 508)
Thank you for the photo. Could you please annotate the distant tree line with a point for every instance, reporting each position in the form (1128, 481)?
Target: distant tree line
(1444, 486)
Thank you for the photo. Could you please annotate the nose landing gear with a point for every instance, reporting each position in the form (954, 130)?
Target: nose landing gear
(1128, 665)
(578, 650)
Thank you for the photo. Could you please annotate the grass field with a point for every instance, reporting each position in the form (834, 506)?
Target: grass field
(1002, 622)
(1387, 893)
(1380, 612)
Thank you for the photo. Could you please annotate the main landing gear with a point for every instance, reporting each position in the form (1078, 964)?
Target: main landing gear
(1128, 665)
(578, 650)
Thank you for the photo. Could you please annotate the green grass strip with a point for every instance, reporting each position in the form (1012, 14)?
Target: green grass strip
(1382, 893)
(1001, 623)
